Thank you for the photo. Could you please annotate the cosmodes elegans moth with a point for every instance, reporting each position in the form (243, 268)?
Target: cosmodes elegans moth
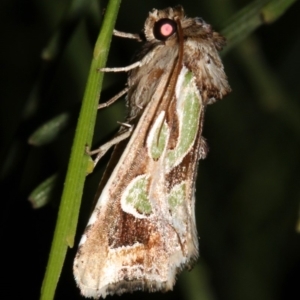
(142, 232)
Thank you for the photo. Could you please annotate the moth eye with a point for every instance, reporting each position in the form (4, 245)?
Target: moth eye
(164, 28)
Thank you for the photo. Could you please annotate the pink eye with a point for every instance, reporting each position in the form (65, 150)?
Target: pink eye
(164, 28)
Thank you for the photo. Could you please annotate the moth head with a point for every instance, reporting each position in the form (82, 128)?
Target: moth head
(161, 24)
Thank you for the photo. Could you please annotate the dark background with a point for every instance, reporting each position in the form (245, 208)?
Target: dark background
(247, 188)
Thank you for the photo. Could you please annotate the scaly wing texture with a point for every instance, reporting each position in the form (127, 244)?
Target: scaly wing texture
(143, 230)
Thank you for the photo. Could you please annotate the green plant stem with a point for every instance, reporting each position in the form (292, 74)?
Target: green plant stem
(257, 13)
(71, 198)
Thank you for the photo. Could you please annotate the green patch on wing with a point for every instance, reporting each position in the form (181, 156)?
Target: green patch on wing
(177, 196)
(138, 196)
(190, 104)
(159, 141)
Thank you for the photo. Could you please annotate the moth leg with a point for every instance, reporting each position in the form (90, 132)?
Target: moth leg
(126, 35)
(121, 69)
(113, 99)
(105, 147)
(125, 124)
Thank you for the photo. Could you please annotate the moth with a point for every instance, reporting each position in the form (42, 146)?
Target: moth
(142, 232)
